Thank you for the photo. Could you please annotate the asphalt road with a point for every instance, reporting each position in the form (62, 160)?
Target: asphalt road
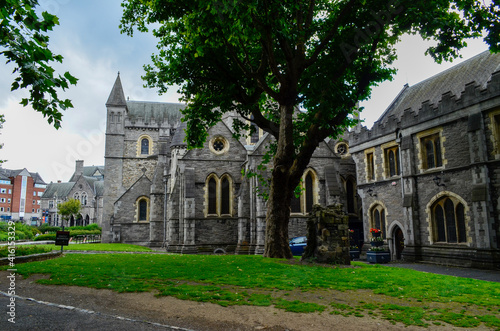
(33, 315)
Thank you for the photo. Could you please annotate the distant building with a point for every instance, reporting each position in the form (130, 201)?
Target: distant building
(428, 171)
(20, 193)
(85, 185)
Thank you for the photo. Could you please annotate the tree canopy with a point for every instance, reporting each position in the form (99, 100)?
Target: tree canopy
(24, 42)
(69, 208)
(264, 59)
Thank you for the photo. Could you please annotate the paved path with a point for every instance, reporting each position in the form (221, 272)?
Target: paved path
(31, 314)
(489, 275)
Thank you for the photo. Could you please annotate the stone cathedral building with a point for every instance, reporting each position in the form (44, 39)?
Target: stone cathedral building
(158, 193)
(428, 171)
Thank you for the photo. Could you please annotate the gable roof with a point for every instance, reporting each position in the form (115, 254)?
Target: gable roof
(61, 190)
(477, 69)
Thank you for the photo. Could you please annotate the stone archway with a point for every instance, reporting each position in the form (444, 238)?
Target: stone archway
(399, 242)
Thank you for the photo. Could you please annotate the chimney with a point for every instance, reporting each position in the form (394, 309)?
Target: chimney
(79, 168)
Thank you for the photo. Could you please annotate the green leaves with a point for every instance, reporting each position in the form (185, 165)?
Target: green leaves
(23, 36)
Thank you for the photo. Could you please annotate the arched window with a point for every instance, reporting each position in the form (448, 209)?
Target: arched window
(142, 211)
(76, 196)
(225, 196)
(377, 219)
(212, 196)
(308, 195)
(219, 196)
(350, 196)
(84, 199)
(145, 146)
(449, 221)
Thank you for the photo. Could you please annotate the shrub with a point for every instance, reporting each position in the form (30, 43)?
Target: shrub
(47, 236)
(48, 228)
(22, 250)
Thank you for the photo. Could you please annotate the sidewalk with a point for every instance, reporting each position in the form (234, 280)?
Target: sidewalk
(488, 275)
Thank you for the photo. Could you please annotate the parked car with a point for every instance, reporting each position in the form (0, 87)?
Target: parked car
(297, 245)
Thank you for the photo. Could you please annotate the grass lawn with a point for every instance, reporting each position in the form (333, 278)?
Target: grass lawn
(399, 295)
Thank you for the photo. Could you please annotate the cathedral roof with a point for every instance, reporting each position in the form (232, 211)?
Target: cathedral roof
(477, 69)
(117, 97)
(159, 112)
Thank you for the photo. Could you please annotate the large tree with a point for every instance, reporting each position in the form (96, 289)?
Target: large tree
(319, 56)
(24, 42)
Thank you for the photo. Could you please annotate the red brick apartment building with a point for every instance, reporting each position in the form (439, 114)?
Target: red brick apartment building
(20, 193)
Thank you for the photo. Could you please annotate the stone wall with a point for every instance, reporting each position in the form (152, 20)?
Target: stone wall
(328, 235)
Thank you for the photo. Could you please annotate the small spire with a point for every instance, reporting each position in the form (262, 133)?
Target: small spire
(117, 97)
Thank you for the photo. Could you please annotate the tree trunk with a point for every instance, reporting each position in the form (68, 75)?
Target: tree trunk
(281, 190)
(277, 218)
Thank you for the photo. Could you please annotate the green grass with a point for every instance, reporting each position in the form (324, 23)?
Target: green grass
(398, 295)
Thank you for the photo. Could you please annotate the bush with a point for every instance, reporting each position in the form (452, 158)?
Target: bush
(47, 236)
(48, 228)
(22, 250)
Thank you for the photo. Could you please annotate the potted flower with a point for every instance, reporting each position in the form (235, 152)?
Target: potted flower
(377, 254)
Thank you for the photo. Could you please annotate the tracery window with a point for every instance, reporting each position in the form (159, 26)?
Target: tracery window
(378, 219)
(449, 221)
(392, 162)
(431, 151)
(219, 195)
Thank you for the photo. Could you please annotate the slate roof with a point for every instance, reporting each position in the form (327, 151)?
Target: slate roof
(117, 97)
(7, 174)
(88, 171)
(61, 190)
(477, 69)
(159, 112)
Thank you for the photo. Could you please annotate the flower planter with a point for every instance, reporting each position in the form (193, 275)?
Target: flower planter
(376, 243)
(354, 254)
(378, 257)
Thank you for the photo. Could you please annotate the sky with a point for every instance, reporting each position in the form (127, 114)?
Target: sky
(94, 51)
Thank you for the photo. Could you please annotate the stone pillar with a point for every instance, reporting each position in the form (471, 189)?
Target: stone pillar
(328, 235)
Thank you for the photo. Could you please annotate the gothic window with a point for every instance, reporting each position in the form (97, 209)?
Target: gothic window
(118, 117)
(370, 167)
(84, 199)
(342, 149)
(431, 151)
(495, 121)
(350, 195)
(219, 195)
(377, 219)
(111, 117)
(145, 146)
(449, 221)
(142, 209)
(254, 137)
(76, 196)
(392, 163)
(212, 196)
(308, 195)
(219, 145)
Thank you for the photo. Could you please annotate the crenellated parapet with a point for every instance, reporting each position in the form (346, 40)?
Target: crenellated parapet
(472, 94)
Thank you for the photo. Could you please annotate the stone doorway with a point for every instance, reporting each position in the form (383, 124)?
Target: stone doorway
(399, 242)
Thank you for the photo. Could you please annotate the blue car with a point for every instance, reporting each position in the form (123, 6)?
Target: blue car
(297, 245)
